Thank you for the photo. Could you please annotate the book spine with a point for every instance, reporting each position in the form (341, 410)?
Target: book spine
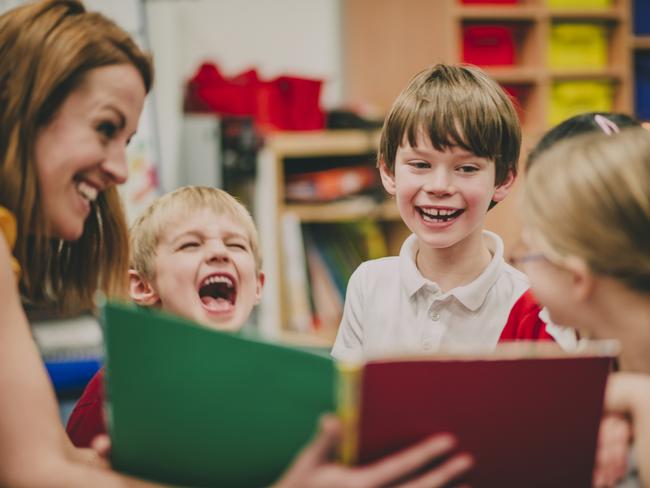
(300, 316)
(348, 402)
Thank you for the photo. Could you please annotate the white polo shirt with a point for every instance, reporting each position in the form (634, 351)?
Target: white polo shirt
(390, 308)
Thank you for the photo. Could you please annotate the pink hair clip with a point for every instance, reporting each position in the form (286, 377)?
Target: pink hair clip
(607, 126)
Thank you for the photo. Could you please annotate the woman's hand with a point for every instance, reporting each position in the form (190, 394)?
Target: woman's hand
(314, 467)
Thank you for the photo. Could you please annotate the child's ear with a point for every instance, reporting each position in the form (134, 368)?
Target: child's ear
(387, 177)
(141, 290)
(502, 190)
(259, 287)
(582, 278)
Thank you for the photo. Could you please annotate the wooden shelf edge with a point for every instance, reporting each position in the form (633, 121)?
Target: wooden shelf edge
(558, 74)
(322, 143)
(641, 43)
(318, 339)
(344, 210)
(606, 13)
(492, 12)
(514, 74)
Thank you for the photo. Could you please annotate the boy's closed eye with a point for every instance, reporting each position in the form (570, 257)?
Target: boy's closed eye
(188, 245)
(238, 245)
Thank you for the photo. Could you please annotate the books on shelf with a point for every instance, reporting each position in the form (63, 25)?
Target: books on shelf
(193, 406)
(330, 184)
(71, 349)
(295, 274)
(333, 252)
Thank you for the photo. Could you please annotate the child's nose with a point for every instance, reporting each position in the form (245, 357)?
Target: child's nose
(216, 251)
(439, 183)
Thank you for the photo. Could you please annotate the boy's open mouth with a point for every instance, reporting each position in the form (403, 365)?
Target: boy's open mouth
(439, 215)
(218, 292)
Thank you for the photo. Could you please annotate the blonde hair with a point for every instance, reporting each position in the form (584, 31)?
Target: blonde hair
(149, 226)
(589, 196)
(455, 106)
(46, 49)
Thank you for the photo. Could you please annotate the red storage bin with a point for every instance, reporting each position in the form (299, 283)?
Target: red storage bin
(209, 91)
(488, 45)
(285, 103)
(290, 103)
(486, 2)
(517, 93)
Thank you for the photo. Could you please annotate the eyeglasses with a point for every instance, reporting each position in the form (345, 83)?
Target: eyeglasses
(521, 255)
(527, 258)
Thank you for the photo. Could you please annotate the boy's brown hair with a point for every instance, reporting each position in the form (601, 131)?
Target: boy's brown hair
(148, 227)
(455, 106)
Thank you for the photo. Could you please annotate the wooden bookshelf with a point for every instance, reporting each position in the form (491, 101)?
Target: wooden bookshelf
(272, 208)
(378, 83)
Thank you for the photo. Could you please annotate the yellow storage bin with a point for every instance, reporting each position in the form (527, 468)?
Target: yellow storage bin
(580, 3)
(577, 45)
(569, 98)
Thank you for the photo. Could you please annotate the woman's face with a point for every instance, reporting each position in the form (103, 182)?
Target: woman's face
(82, 150)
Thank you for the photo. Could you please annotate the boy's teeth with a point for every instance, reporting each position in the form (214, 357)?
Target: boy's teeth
(438, 214)
(217, 279)
(87, 191)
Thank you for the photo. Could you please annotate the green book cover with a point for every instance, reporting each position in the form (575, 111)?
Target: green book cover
(192, 406)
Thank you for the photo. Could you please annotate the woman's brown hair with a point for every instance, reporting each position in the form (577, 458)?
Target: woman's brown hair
(47, 48)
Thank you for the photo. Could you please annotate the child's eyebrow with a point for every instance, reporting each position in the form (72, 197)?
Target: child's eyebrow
(415, 150)
(237, 235)
(183, 235)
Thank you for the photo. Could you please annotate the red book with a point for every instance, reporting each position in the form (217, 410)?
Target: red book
(529, 420)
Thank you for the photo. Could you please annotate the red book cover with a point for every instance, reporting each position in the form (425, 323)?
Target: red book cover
(528, 421)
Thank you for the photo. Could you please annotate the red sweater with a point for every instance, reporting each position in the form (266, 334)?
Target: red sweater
(87, 419)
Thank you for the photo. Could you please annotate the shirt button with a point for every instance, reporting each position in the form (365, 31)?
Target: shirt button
(434, 316)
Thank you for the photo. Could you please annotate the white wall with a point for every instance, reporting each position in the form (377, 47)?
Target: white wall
(300, 37)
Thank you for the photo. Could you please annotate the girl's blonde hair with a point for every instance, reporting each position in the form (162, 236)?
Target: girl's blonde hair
(46, 49)
(151, 224)
(589, 196)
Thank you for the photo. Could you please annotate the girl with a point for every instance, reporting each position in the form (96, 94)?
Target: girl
(586, 214)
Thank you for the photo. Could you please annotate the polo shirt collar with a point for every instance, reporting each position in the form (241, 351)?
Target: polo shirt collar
(409, 274)
(471, 295)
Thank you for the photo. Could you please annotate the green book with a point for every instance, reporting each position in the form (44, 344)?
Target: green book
(192, 406)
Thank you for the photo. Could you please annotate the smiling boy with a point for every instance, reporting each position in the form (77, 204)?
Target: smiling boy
(448, 152)
(194, 253)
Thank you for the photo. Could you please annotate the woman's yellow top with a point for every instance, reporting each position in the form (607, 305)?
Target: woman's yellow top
(8, 229)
